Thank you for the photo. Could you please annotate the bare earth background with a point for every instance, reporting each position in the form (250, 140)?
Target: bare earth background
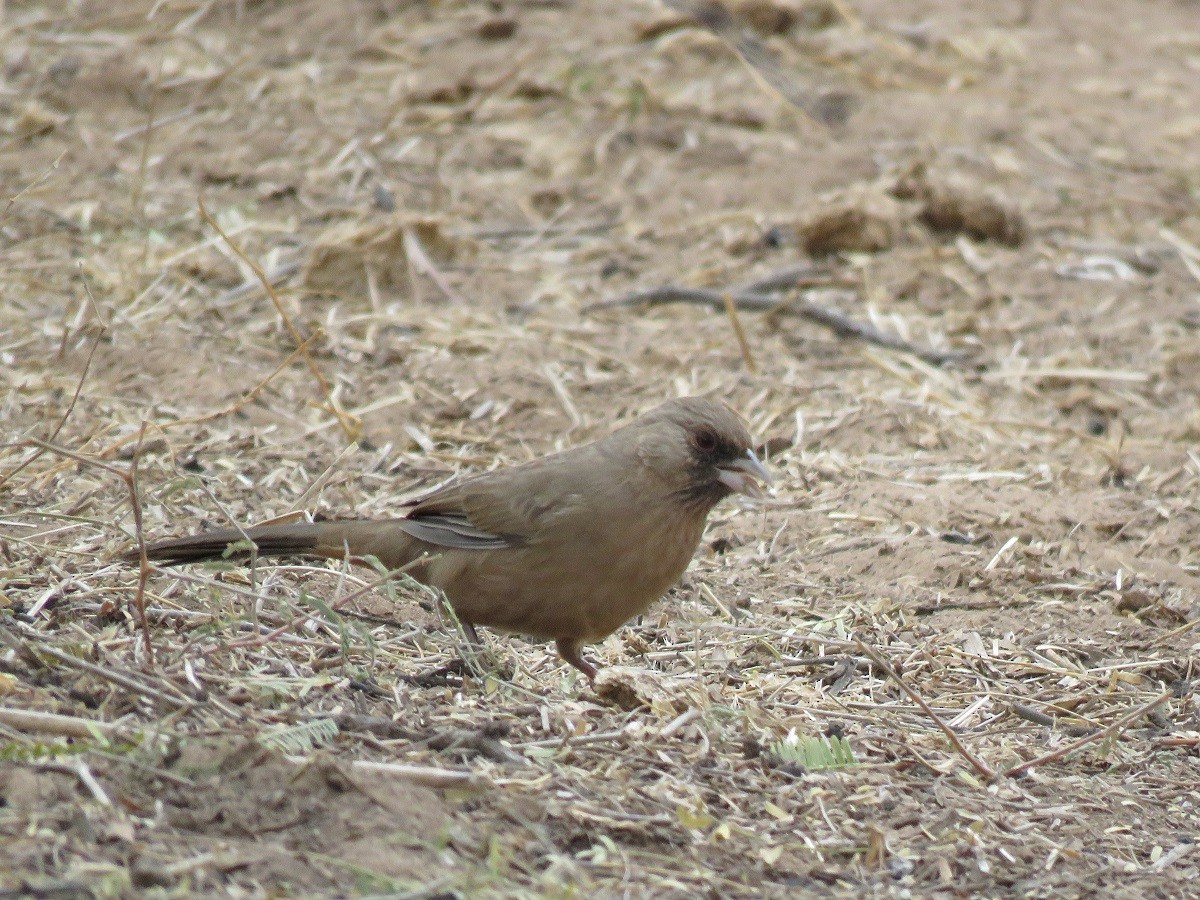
(439, 190)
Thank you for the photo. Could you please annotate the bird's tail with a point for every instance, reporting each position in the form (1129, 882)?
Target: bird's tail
(353, 538)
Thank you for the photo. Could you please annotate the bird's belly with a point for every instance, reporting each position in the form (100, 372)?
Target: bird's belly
(587, 590)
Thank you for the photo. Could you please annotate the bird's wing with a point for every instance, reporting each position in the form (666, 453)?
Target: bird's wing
(454, 530)
(506, 508)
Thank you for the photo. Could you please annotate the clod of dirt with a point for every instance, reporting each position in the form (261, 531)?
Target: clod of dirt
(257, 799)
(447, 91)
(26, 788)
(863, 220)
(662, 24)
(349, 257)
(956, 204)
(109, 80)
(771, 17)
(1183, 366)
(34, 120)
(631, 688)
(767, 17)
(500, 28)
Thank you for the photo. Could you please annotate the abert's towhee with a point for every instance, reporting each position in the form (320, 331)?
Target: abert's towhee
(568, 547)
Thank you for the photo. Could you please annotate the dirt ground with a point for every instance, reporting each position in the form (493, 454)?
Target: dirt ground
(439, 192)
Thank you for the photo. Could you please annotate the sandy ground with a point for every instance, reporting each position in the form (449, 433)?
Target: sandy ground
(439, 192)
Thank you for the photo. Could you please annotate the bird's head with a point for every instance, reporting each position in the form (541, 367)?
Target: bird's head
(701, 448)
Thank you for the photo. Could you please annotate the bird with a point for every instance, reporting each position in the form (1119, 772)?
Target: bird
(566, 548)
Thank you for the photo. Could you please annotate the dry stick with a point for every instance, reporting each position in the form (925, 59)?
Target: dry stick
(163, 426)
(1178, 741)
(259, 640)
(53, 723)
(33, 184)
(139, 596)
(137, 209)
(575, 741)
(798, 276)
(731, 311)
(429, 776)
(128, 476)
(84, 774)
(252, 392)
(348, 425)
(1029, 714)
(979, 766)
(421, 262)
(66, 415)
(753, 301)
(94, 458)
(275, 276)
(827, 109)
(1186, 626)
(1118, 725)
(75, 662)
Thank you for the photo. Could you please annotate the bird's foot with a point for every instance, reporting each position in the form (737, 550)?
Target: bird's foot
(449, 675)
(568, 649)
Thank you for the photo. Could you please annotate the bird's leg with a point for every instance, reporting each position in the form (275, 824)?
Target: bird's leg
(467, 662)
(450, 674)
(472, 635)
(472, 658)
(568, 649)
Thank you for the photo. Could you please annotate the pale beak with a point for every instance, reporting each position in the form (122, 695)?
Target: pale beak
(742, 475)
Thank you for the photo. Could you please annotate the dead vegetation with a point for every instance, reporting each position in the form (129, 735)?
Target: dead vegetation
(262, 258)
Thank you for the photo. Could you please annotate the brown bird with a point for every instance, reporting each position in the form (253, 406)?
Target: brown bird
(568, 547)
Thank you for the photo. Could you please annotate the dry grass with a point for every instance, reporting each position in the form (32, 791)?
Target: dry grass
(982, 575)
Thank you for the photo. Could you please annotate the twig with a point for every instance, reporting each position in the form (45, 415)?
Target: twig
(791, 277)
(250, 394)
(137, 207)
(20, 644)
(758, 301)
(135, 500)
(739, 332)
(422, 263)
(597, 737)
(53, 723)
(129, 476)
(429, 776)
(4, 479)
(33, 184)
(1118, 725)
(278, 274)
(1029, 714)
(387, 576)
(89, 781)
(683, 719)
(826, 107)
(677, 293)
(1189, 254)
(563, 395)
(977, 764)
(348, 425)
(78, 457)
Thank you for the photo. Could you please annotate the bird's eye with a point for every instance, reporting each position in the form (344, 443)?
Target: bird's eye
(704, 441)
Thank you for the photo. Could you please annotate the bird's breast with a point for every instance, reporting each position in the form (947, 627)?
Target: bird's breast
(583, 580)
